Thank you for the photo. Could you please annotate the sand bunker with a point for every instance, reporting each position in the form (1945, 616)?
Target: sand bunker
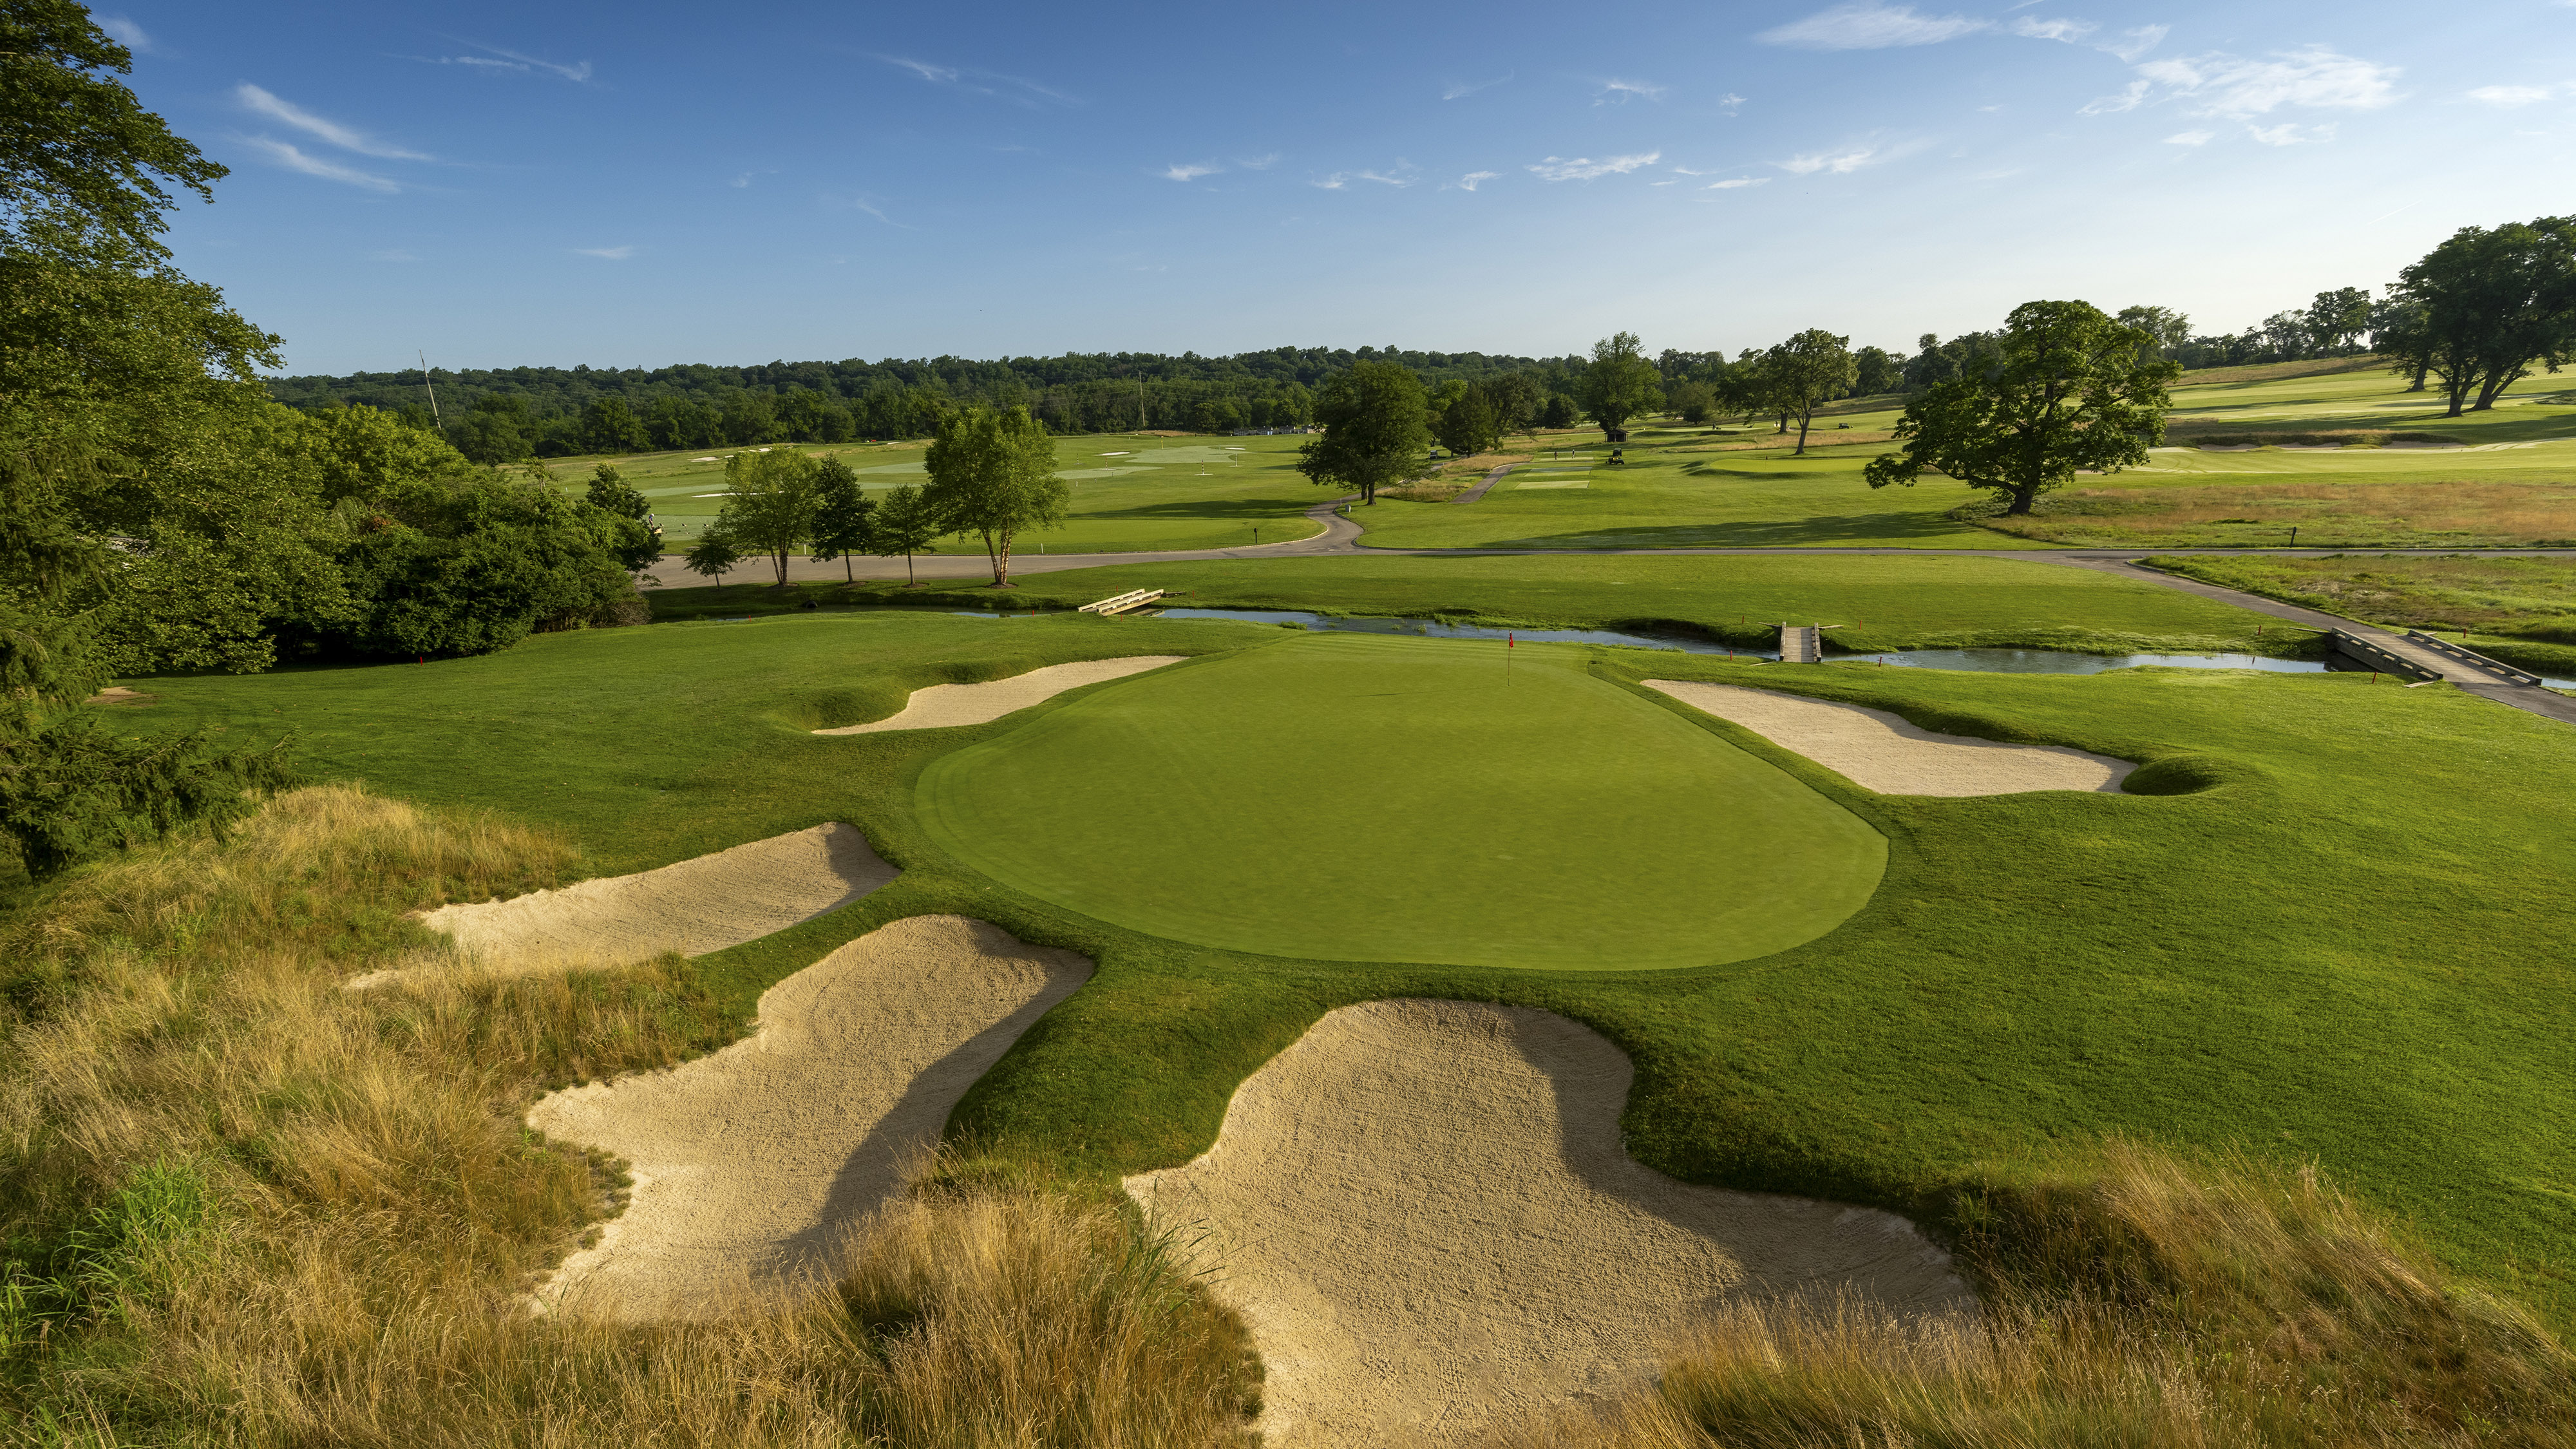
(1423, 1212)
(694, 907)
(1880, 751)
(943, 706)
(747, 1164)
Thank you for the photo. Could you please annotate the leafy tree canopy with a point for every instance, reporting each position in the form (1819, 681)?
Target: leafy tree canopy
(82, 164)
(992, 474)
(1620, 383)
(2071, 390)
(1377, 430)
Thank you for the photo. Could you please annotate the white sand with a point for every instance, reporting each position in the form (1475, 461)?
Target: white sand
(1423, 1212)
(1880, 751)
(747, 1164)
(944, 706)
(694, 907)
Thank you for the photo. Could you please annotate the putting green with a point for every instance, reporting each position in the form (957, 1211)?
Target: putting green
(1343, 798)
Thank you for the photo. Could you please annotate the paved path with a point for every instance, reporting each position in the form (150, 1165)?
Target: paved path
(1481, 489)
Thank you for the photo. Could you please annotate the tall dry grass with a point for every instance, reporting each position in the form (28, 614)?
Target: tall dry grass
(2147, 1302)
(242, 1205)
(2328, 515)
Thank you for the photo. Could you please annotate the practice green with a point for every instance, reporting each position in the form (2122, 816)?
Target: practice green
(1353, 799)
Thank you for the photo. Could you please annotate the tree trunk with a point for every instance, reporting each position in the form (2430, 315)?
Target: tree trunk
(2420, 370)
(848, 569)
(1802, 439)
(2022, 498)
(779, 559)
(1001, 550)
(909, 581)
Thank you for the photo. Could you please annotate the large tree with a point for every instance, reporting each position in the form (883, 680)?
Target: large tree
(1377, 430)
(769, 503)
(841, 508)
(1516, 399)
(908, 524)
(146, 517)
(1805, 373)
(2497, 304)
(992, 474)
(1620, 383)
(2072, 391)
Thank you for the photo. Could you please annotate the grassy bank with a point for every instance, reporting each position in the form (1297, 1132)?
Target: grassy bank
(1882, 603)
(242, 1206)
(2269, 956)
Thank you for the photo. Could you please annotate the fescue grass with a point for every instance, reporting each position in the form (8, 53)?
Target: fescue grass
(244, 1206)
(2147, 1301)
(2340, 938)
(2460, 514)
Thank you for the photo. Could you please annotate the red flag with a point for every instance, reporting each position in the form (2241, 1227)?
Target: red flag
(1510, 641)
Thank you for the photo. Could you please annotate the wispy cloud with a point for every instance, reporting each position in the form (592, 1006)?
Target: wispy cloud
(612, 254)
(1457, 90)
(2129, 98)
(1584, 168)
(496, 58)
(1257, 163)
(2135, 43)
(1470, 181)
(346, 138)
(292, 159)
(2509, 95)
(2191, 138)
(1191, 171)
(1402, 173)
(1017, 90)
(2060, 29)
(1730, 103)
(1867, 25)
(127, 33)
(1834, 162)
(1615, 91)
(1733, 182)
(2237, 89)
(2290, 133)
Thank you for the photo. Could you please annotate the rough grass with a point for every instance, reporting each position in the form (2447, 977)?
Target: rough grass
(2326, 515)
(242, 1205)
(2145, 1301)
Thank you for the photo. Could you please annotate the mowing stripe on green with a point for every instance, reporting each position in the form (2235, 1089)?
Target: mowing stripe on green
(1352, 799)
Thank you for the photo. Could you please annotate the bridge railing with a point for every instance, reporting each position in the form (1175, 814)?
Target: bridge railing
(1121, 603)
(2473, 658)
(2354, 646)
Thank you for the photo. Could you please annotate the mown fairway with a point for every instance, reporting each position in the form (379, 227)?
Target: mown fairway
(1500, 808)
(2341, 942)
(1129, 493)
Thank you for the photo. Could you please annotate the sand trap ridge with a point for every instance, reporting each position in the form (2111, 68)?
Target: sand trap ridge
(748, 1163)
(694, 907)
(1423, 1211)
(942, 706)
(1880, 751)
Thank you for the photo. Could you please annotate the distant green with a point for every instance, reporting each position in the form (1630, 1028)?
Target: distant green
(1356, 799)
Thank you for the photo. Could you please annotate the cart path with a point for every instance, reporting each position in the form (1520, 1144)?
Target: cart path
(1481, 489)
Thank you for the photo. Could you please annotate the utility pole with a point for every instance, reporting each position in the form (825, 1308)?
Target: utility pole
(433, 392)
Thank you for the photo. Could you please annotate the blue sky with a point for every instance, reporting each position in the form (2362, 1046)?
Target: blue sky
(643, 184)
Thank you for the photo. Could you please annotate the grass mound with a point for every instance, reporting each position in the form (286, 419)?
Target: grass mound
(1506, 812)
